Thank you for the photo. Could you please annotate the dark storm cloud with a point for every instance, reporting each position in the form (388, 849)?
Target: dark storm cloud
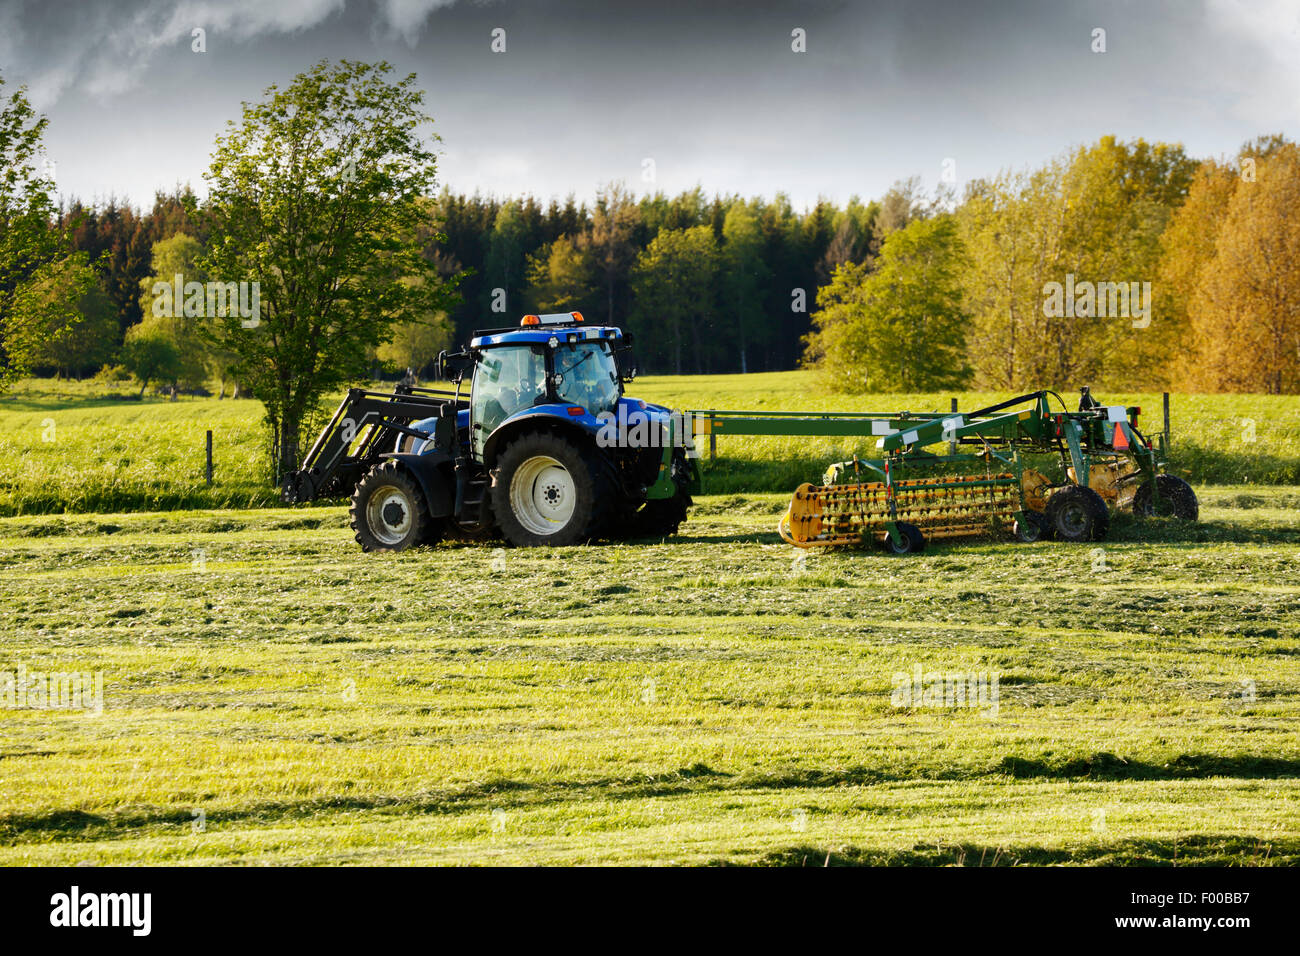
(702, 93)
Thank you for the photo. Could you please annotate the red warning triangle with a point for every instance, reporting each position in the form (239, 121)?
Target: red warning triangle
(1120, 440)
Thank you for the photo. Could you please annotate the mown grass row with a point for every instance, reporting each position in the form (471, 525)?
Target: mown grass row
(72, 447)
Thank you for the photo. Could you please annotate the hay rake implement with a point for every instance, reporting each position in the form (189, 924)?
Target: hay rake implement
(950, 507)
(911, 494)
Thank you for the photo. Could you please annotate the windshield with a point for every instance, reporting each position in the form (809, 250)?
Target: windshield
(587, 376)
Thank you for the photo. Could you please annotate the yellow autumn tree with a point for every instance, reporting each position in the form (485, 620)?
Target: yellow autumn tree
(1245, 314)
(1187, 247)
(1093, 215)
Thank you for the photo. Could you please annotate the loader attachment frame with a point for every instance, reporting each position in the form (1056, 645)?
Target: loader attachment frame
(365, 427)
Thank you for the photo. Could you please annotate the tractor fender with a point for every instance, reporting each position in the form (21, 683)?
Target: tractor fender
(430, 470)
(580, 433)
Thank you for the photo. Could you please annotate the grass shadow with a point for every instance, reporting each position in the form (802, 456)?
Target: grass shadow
(697, 778)
(1208, 849)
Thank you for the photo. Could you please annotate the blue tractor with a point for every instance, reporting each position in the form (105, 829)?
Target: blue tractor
(547, 450)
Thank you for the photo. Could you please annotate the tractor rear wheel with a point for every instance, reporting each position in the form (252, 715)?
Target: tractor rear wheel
(389, 512)
(546, 492)
(1176, 498)
(1076, 513)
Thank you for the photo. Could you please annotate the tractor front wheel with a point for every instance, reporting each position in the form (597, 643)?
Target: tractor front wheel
(389, 512)
(1176, 498)
(545, 492)
(1078, 514)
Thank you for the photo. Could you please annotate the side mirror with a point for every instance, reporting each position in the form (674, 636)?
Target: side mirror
(626, 370)
(452, 366)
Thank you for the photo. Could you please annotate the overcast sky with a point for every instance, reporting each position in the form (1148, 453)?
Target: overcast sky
(587, 91)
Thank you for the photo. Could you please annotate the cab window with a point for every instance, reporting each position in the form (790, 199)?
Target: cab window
(507, 379)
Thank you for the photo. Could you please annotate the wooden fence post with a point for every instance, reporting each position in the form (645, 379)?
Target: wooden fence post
(209, 458)
(1166, 395)
(952, 442)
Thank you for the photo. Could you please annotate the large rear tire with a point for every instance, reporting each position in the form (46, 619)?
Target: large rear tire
(1176, 498)
(546, 492)
(389, 512)
(1078, 514)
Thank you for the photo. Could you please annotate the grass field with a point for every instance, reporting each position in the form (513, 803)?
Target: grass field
(68, 447)
(271, 695)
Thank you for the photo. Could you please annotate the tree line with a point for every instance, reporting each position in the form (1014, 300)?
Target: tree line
(727, 284)
(1128, 264)
(707, 283)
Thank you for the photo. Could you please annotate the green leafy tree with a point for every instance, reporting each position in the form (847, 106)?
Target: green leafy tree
(1010, 227)
(150, 354)
(316, 194)
(744, 275)
(415, 344)
(504, 267)
(178, 256)
(28, 239)
(672, 288)
(902, 327)
(562, 278)
(70, 314)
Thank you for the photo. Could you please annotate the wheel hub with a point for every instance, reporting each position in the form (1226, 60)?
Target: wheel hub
(542, 495)
(394, 514)
(388, 513)
(1074, 518)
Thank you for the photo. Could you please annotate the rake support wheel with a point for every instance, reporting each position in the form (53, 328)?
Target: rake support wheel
(1078, 514)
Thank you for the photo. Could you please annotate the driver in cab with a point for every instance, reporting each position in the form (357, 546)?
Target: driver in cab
(583, 386)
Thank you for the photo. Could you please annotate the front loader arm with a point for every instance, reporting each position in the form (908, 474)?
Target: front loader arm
(377, 419)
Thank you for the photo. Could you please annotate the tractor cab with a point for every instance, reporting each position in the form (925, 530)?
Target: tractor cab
(549, 365)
